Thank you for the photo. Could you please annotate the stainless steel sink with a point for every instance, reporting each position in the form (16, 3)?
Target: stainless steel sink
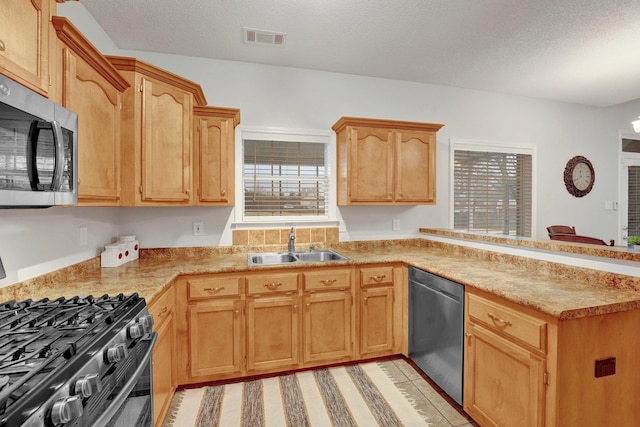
(270, 258)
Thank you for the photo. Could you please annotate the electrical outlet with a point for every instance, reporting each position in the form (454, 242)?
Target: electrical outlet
(198, 228)
(395, 225)
(83, 236)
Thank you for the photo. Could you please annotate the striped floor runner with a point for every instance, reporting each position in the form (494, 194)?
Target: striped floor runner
(344, 396)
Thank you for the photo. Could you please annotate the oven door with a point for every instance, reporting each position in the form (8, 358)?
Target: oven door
(131, 397)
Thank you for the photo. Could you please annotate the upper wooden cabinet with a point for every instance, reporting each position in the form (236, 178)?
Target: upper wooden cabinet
(386, 162)
(157, 133)
(214, 136)
(24, 42)
(87, 84)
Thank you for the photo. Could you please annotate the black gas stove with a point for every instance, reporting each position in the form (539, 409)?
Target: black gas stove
(81, 361)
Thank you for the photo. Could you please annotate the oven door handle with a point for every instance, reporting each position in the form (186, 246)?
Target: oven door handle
(120, 398)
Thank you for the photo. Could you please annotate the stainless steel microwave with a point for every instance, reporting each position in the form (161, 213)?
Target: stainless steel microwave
(38, 150)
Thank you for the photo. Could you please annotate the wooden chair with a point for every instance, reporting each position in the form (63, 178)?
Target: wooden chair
(560, 229)
(578, 239)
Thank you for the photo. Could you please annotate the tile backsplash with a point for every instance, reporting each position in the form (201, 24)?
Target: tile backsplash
(275, 236)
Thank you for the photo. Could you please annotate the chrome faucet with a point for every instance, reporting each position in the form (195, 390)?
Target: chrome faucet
(292, 239)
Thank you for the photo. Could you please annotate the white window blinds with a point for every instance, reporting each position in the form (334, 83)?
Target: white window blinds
(285, 178)
(492, 192)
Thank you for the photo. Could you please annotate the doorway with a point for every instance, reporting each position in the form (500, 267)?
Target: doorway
(629, 188)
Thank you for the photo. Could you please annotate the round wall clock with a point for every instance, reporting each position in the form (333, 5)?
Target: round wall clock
(579, 176)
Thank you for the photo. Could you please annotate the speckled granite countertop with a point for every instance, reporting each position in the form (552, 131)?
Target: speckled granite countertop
(558, 290)
(612, 252)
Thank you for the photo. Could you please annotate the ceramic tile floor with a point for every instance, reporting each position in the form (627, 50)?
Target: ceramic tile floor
(441, 410)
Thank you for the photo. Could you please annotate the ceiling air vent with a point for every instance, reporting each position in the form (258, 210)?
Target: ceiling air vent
(263, 37)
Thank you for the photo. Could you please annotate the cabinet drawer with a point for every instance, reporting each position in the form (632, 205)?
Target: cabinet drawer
(270, 283)
(376, 276)
(161, 307)
(327, 279)
(529, 330)
(210, 287)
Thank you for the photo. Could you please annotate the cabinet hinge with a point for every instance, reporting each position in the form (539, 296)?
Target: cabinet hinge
(545, 378)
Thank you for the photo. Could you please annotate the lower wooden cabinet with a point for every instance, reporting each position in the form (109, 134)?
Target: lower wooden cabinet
(272, 332)
(382, 318)
(162, 309)
(231, 325)
(327, 326)
(505, 365)
(376, 320)
(215, 337)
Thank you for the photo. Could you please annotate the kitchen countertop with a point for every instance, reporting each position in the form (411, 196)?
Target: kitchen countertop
(558, 290)
(611, 252)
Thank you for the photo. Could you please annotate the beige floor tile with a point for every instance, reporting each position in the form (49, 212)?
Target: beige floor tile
(448, 411)
(423, 405)
(407, 369)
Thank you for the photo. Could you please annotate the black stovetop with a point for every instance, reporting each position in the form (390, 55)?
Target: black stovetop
(42, 343)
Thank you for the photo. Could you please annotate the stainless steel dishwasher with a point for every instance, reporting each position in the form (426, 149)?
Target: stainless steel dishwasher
(436, 326)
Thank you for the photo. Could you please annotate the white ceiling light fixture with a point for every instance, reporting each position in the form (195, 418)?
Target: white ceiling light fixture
(636, 125)
(253, 36)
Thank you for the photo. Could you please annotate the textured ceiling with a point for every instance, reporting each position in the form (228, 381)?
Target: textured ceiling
(581, 51)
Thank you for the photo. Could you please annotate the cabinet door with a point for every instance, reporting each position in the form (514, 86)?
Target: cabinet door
(503, 382)
(272, 332)
(163, 378)
(89, 93)
(24, 42)
(166, 142)
(162, 309)
(376, 320)
(215, 161)
(215, 340)
(327, 326)
(415, 167)
(371, 165)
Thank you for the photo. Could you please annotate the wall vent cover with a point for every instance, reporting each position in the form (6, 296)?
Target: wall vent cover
(254, 36)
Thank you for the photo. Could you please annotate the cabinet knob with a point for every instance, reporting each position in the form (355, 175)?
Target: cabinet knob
(365, 299)
(223, 192)
(2, 46)
(236, 312)
(188, 191)
(468, 335)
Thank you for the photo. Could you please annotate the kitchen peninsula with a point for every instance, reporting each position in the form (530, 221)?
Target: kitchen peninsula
(564, 318)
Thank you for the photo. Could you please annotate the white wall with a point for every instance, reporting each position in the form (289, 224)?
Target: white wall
(297, 98)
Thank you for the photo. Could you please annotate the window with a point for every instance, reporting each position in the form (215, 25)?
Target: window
(492, 188)
(285, 176)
